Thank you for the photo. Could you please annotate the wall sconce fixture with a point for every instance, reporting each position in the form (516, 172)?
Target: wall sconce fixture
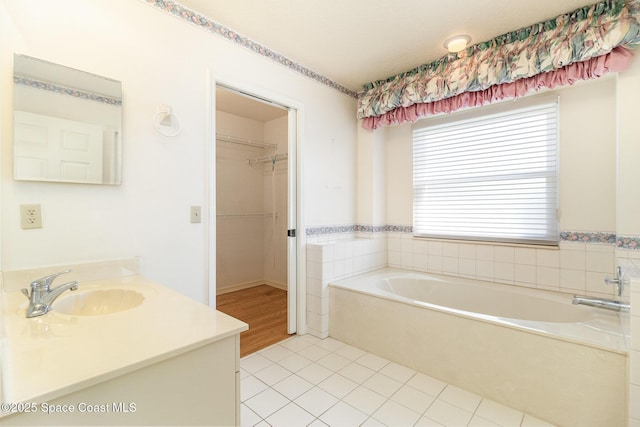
(457, 43)
(165, 122)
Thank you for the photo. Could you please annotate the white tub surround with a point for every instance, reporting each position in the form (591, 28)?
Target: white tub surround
(568, 367)
(175, 360)
(634, 369)
(329, 261)
(629, 260)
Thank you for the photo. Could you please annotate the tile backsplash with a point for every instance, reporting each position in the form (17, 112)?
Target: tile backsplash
(573, 267)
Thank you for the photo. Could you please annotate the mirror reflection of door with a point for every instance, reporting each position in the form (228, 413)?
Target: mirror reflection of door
(52, 149)
(67, 124)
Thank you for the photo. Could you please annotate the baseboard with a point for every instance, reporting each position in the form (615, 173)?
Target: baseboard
(278, 285)
(247, 285)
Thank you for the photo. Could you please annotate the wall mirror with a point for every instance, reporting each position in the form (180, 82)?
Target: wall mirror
(67, 124)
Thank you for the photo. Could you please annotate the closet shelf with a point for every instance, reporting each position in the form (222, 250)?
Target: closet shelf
(244, 214)
(269, 159)
(245, 141)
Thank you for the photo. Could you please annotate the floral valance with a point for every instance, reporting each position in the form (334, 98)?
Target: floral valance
(547, 47)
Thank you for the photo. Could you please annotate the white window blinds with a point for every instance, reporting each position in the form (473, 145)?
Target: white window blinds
(492, 177)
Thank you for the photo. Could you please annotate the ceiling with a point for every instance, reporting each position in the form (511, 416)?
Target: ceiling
(233, 102)
(353, 42)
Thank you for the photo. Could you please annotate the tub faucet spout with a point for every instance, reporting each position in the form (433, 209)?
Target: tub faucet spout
(42, 295)
(605, 303)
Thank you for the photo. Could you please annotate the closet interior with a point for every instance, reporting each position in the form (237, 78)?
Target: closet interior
(251, 215)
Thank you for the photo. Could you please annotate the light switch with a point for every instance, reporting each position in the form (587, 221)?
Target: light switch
(196, 215)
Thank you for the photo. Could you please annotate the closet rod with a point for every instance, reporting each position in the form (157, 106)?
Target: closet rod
(245, 141)
(243, 214)
(270, 159)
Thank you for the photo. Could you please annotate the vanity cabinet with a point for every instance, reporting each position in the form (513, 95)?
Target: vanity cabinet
(167, 361)
(198, 387)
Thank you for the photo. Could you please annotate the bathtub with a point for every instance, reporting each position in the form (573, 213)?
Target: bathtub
(529, 349)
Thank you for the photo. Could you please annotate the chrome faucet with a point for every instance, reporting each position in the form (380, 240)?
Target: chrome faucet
(609, 304)
(42, 296)
(619, 281)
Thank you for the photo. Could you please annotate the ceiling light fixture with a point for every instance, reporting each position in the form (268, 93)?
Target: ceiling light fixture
(457, 43)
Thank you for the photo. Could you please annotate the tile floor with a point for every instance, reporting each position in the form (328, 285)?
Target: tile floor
(306, 381)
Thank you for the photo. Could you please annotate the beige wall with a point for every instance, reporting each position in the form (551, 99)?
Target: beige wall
(629, 151)
(588, 186)
(160, 59)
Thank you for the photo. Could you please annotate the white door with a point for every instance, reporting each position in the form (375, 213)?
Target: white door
(292, 241)
(52, 149)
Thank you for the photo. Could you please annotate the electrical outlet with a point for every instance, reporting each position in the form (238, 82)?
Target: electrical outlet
(196, 215)
(30, 216)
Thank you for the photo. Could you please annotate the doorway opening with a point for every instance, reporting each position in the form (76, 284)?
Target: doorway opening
(255, 213)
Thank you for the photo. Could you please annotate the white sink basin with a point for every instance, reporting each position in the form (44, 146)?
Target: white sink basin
(98, 302)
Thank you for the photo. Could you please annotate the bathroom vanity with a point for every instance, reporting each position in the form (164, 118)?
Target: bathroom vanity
(148, 356)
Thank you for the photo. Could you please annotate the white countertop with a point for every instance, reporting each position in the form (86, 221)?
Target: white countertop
(53, 355)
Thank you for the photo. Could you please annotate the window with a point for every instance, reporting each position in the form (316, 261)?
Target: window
(490, 177)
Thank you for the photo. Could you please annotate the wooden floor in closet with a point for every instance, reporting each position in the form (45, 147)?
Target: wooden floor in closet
(264, 308)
